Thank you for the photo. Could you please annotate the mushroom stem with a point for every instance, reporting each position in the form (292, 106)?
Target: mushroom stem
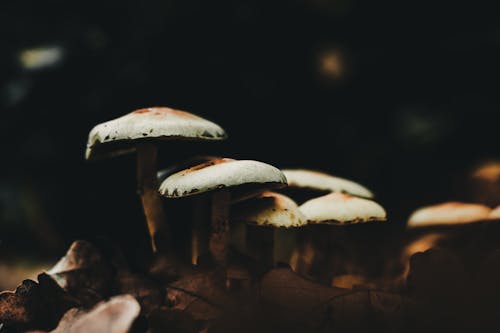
(260, 243)
(147, 188)
(219, 235)
(199, 239)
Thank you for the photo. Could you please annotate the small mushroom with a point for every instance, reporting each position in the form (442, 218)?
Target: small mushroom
(271, 221)
(448, 214)
(334, 237)
(223, 178)
(189, 236)
(301, 181)
(342, 209)
(462, 228)
(140, 131)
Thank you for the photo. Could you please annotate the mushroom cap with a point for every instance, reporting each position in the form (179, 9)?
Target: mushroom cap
(162, 174)
(448, 213)
(118, 136)
(317, 180)
(340, 208)
(495, 213)
(222, 173)
(270, 209)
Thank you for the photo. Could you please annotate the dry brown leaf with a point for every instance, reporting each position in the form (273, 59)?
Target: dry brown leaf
(149, 295)
(199, 295)
(34, 305)
(84, 272)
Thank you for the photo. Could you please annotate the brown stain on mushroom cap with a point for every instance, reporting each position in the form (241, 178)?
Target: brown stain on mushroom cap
(164, 111)
(207, 164)
(121, 135)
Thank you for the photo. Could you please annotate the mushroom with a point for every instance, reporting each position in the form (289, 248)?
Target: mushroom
(223, 178)
(448, 214)
(461, 228)
(189, 236)
(333, 236)
(320, 183)
(140, 131)
(271, 221)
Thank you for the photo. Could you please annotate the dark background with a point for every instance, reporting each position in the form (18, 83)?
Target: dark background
(401, 96)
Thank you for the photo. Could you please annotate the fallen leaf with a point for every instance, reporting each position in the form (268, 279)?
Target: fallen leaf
(114, 316)
(34, 305)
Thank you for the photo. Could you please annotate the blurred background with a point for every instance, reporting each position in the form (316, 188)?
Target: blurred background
(400, 96)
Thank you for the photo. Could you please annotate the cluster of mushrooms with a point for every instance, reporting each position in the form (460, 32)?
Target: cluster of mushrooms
(318, 224)
(250, 209)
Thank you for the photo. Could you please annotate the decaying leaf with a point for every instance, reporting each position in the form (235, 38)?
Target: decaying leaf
(84, 273)
(199, 295)
(34, 305)
(149, 295)
(295, 301)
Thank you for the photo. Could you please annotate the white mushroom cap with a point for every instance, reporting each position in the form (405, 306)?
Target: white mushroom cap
(222, 173)
(340, 208)
(448, 213)
(115, 137)
(317, 180)
(270, 209)
(162, 174)
(495, 213)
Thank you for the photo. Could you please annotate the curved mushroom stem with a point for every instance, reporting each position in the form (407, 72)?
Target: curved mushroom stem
(219, 235)
(147, 187)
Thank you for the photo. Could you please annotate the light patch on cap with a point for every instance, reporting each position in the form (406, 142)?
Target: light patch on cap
(222, 173)
(317, 180)
(448, 213)
(340, 208)
(495, 213)
(270, 209)
(151, 123)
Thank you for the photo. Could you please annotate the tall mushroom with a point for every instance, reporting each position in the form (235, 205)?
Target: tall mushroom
(302, 181)
(223, 178)
(141, 131)
(329, 217)
(271, 219)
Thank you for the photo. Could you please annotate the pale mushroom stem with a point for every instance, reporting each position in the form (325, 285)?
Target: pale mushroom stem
(147, 187)
(219, 235)
(200, 228)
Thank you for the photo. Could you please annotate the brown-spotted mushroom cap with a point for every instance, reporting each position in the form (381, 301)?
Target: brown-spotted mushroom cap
(340, 208)
(448, 213)
(162, 174)
(495, 213)
(270, 209)
(116, 136)
(222, 173)
(317, 180)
